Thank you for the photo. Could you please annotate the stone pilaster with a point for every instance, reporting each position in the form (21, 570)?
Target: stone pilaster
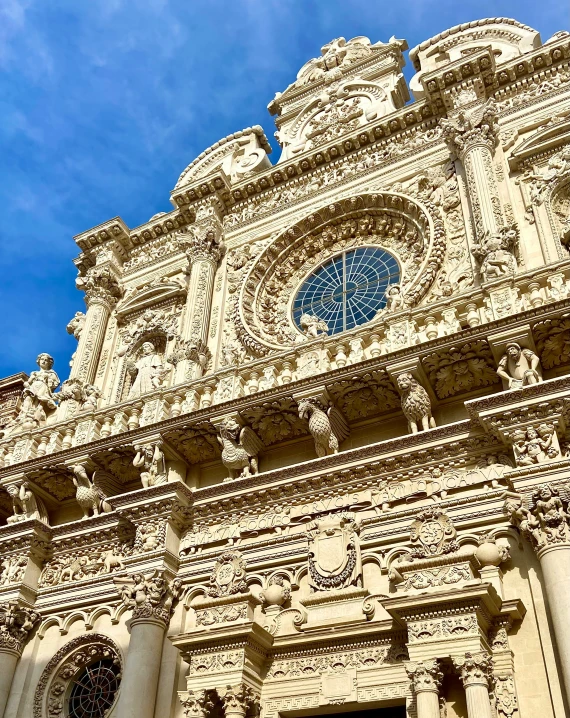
(102, 292)
(476, 671)
(426, 678)
(473, 136)
(204, 250)
(16, 624)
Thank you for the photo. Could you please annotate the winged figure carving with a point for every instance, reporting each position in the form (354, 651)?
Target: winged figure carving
(240, 447)
(91, 492)
(326, 424)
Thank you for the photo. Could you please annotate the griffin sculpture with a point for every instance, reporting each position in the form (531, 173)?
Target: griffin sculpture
(90, 494)
(240, 447)
(326, 424)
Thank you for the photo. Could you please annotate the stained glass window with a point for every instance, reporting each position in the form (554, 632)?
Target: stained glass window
(93, 691)
(348, 290)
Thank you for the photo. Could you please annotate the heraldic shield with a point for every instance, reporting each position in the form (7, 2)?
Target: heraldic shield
(334, 552)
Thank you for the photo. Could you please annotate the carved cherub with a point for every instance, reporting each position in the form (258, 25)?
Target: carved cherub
(534, 446)
(395, 299)
(519, 367)
(416, 403)
(240, 448)
(326, 424)
(312, 326)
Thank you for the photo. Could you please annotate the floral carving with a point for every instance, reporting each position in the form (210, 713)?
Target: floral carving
(460, 369)
(474, 668)
(553, 341)
(196, 704)
(365, 395)
(276, 421)
(425, 675)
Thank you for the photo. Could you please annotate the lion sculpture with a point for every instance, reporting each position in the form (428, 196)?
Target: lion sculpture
(416, 404)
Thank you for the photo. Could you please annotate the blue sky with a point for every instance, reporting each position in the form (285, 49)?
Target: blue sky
(104, 102)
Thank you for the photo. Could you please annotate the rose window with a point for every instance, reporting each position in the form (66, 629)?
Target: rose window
(93, 691)
(348, 290)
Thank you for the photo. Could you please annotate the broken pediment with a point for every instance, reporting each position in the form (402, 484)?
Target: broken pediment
(159, 291)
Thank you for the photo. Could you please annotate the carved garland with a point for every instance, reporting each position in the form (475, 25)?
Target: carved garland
(53, 686)
(301, 247)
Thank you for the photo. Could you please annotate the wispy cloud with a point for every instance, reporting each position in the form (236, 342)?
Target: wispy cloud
(103, 103)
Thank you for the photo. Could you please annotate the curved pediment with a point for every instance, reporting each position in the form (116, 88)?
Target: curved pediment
(554, 135)
(236, 154)
(151, 294)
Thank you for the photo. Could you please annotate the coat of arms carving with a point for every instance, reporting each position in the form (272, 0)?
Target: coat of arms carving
(228, 575)
(334, 552)
(432, 534)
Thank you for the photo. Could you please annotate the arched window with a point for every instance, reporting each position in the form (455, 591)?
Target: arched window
(347, 290)
(93, 690)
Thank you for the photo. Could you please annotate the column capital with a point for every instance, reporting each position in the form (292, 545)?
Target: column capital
(545, 523)
(196, 704)
(465, 130)
(474, 668)
(16, 625)
(101, 286)
(151, 596)
(237, 699)
(425, 675)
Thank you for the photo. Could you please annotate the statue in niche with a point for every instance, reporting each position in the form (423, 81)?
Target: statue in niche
(151, 458)
(519, 367)
(312, 326)
(240, 447)
(495, 252)
(26, 505)
(149, 372)
(39, 401)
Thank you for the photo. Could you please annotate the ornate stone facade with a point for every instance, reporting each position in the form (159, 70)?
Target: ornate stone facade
(312, 455)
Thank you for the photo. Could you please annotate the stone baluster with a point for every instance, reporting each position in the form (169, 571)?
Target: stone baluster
(238, 699)
(426, 678)
(16, 625)
(151, 599)
(102, 292)
(546, 527)
(473, 136)
(204, 250)
(476, 671)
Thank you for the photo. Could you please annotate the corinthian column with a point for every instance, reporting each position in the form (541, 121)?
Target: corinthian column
(204, 249)
(238, 699)
(102, 292)
(151, 597)
(472, 136)
(16, 624)
(426, 678)
(545, 525)
(196, 704)
(476, 672)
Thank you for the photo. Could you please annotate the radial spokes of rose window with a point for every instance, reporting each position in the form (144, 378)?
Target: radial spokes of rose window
(348, 290)
(94, 691)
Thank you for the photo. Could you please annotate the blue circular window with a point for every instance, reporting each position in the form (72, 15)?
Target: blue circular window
(348, 290)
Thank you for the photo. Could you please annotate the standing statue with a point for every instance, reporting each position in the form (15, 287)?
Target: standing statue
(149, 372)
(394, 297)
(519, 367)
(327, 425)
(152, 459)
(240, 447)
(90, 496)
(416, 403)
(38, 397)
(26, 505)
